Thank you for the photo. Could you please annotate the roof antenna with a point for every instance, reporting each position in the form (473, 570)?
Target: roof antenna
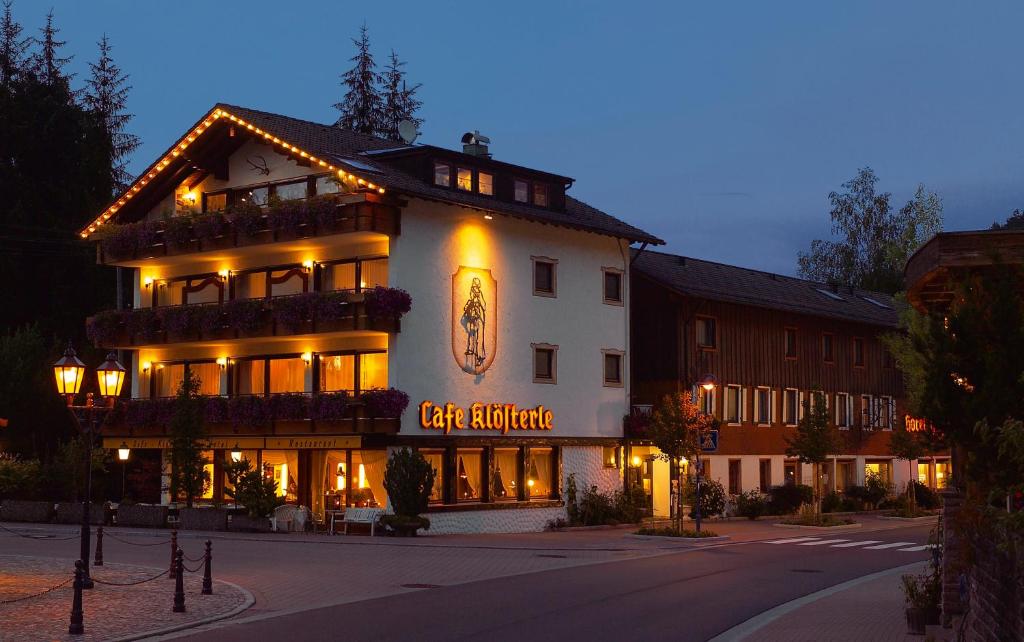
(408, 132)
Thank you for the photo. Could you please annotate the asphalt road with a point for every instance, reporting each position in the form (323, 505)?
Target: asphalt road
(688, 595)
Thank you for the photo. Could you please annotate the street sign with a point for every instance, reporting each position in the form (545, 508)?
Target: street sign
(709, 441)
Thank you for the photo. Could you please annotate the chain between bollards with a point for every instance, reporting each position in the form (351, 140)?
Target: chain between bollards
(98, 558)
(77, 626)
(207, 578)
(174, 552)
(179, 582)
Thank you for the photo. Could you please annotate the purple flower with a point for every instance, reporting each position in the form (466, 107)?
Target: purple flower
(104, 328)
(246, 217)
(294, 310)
(250, 411)
(216, 410)
(142, 322)
(390, 403)
(244, 314)
(387, 303)
(178, 320)
(331, 406)
(178, 231)
(289, 407)
(208, 226)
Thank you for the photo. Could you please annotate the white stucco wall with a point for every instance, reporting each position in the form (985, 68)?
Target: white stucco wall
(435, 241)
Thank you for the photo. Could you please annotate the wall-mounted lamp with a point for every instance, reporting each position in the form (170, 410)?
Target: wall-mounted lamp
(307, 357)
(488, 217)
(224, 274)
(222, 362)
(146, 366)
(148, 281)
(636, 461)
(190, 198)
(308, 265)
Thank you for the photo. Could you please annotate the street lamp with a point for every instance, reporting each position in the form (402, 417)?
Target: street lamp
(123, 451)
(69, 371)
(708, 383)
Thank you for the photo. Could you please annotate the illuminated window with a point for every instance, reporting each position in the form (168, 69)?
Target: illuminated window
(538, 474)
(340, 276)
(207, 456)
(827, 352)
(167, 379)
(442, 175)
(373, 272)
(790, 342)
(337, 372)
(290, 191)
(521, 191)
(923, 473)
(942, 473)
(368, 478)
(858, 352)
(790, 402)
(282, 468)
(469, 474)
(544, 363)
(612, 286)
(540, 195)
(287, 281)
(612, 368)
(544, 276)
(436, 460)
(327, 185)
(505, 480)
(373, 371)
(706, 333)
(287, 375)
(611, 456)
(249, 377)
(216, 202)
(250, 285)
(485, 183)
(464, 179)
(170, 292)
(208, 374)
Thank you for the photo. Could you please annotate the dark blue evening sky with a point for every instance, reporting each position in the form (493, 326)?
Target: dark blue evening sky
(718, 126)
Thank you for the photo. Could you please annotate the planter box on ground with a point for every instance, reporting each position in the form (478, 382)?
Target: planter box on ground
(143, 515)
(71, 513)
(12, 510)
(244, 523)
(203, 519)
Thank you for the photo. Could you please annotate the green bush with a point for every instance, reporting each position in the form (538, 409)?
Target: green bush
(712, 497)
(18, 479)
(925, 497)
(751, 504)
(409, 479)
(871, 494)
(252, 490)
(787, 498)
(832, 503)
(594, 508)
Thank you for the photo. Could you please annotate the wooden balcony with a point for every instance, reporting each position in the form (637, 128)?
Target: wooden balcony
(182, 235)
(298, 314)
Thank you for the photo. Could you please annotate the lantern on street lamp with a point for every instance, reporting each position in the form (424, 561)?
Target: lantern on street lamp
(69, 371)
(110, 375)
(123, 451)
(236, 454)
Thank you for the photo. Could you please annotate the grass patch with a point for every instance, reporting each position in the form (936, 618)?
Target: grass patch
(818, 520)
(668, 531)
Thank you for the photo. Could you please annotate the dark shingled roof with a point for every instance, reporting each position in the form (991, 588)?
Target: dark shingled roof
(336, 144)
(732, 284)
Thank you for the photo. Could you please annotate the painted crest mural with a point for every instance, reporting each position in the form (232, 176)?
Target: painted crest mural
(474, 319)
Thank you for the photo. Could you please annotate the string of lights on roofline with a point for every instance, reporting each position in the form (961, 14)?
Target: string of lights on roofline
(192, 136)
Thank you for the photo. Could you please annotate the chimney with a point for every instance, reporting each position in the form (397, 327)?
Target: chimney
(475, 144)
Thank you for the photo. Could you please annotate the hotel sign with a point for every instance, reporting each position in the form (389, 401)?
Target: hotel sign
(298, 442)
(484, 416)
(474, 319)
(307, 442)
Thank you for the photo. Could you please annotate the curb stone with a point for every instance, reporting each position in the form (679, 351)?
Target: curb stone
(681, 540)
(822, 529)
(246, 603)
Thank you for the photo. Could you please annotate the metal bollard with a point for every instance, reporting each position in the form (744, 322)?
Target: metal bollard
(207, 578)
(98, 558)
(77, 626)
(174, 550)
(179, 583)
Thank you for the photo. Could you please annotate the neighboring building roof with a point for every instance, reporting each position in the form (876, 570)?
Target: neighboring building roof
(346, 148)
(732, 284)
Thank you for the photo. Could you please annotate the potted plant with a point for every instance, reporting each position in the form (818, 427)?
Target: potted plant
(408, 479)
(922, 593)
(257, 493)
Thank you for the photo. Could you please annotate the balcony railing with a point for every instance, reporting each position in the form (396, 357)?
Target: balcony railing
(379, 309)
(374, 411)
(244, 225)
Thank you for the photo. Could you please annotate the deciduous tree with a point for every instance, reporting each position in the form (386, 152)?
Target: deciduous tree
(675, 429)
(814, 441)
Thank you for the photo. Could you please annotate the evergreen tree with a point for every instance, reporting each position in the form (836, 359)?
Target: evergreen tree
(47, 64)
(361, 108)
(106, 94)
(12, 48)
(1014, 221)
(400, 102)
(188, 441)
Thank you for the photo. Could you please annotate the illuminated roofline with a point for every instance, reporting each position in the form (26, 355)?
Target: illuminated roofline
(189, 138)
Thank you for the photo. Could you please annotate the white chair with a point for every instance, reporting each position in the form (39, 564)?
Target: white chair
(283, 515)
(362, 516)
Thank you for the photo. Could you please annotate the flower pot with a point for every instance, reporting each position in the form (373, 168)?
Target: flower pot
(916, 620)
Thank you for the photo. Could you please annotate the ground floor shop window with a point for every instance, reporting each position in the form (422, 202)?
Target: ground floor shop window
(942, 472)
(538, 478)
(765, 474)
(470, 468)
(880, 469)
(436, 460)
(924, 473)
(505, 480)
(789, 472)
(282, 467)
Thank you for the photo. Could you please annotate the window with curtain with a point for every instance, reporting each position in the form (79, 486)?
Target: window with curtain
(287, 375)
(485, 183)
(282, 467)
(368, 478)
(249, 378)
(169, 292)
(464, 179)
(340, 276)
(167, 379)
(250, 285)
(337, 372)
(442, 174)
(290, 191)
(469, 472)
(209, 294)
(436, 460)
(374, 273)
(252, 456)
(373, 370)
(505, 480)
(294, 284)
(538, 477)
(327, 185)
(209, 482)
(208, 374)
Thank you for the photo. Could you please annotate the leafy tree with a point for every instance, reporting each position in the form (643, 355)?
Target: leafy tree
(1014, 221)
(874, 241)
(362, 107)
(106, 95)
(908, 446)
(188, 441)
(814, 441)
(12, 48)
(400, 102)
(675, 429)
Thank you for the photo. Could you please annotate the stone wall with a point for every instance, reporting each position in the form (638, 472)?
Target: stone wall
(588, 464)
(951, 554)
(995, 611)
(513, 520)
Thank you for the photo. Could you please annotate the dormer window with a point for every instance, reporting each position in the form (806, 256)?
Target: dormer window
(464, 179)
(522, 192)
(485, 183)
(540, 195)
(442, 175)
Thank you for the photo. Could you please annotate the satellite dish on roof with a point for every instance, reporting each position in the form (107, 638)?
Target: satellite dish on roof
(407, 130)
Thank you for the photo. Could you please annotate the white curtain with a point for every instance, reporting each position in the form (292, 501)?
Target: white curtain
(374, 273)
(209, 377)
(287, 375)
(505, 484)
(470, 464)
(374, 463)
(540, 464)
(168, 379)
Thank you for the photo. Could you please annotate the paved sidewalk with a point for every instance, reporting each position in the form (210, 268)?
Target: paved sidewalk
(872, 610)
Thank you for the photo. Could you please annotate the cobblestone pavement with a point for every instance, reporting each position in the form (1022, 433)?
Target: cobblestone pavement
(110, 612)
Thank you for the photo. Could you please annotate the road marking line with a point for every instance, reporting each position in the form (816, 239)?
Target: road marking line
(860, 543)
(823, 542)
(793, 540)
(884, 546)
(914, 549)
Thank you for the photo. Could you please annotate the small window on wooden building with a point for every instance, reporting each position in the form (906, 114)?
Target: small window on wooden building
(789, 337)
(521, 192)
(464, 179)
(858, 352)
(763, 406)
(707, 333)
(485, 184)
(733, 404)
(442, 175)
(828, 347)
(790, 406)
(540, 195)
